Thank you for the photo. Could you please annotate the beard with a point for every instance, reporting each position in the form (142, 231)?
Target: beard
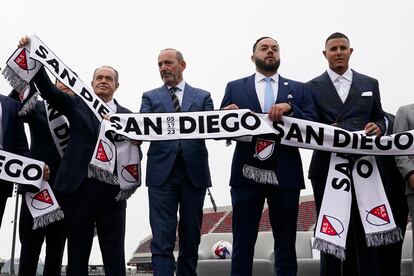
(267, 67)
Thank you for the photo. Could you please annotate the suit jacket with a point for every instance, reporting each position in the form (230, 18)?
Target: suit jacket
(84, 131)
(14, 137)
(362, 105)
(162, 155)
(288, 165)
(404, 120)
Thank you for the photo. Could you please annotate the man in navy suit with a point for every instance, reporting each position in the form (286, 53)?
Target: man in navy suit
(12, 139)
(276, 177)
(349, 100)
(177, 172)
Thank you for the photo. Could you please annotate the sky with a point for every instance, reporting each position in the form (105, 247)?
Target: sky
(216, 39)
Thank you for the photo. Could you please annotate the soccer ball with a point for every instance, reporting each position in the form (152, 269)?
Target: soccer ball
(222, 250)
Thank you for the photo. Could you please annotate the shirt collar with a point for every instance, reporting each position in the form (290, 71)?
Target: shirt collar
(112, 105)
(259, 77)
(334, 76)
(180, 86)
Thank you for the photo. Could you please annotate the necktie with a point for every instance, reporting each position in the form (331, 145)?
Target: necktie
(342, 89)
(269, 95)
(174, 98)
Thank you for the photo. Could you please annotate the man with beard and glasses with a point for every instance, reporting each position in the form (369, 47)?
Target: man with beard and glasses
(177, 172)
(274, 174)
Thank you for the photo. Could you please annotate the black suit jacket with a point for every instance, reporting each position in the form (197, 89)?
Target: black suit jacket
(84, 130)
(362, 105)
(14, 137)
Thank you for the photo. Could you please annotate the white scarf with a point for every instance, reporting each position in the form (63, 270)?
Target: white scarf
(37, 54)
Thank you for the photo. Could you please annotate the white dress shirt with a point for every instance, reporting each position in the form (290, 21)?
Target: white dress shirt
(342, 82)
(260, 87)
(112, 105)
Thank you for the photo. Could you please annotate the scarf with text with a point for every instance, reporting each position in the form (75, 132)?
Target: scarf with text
(23, 65)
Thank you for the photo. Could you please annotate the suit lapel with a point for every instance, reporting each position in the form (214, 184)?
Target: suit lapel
(251, 93)
(328, 91)
(188, 97)
(283, 90)
(165, 98)
(355, 90)
(5, 116)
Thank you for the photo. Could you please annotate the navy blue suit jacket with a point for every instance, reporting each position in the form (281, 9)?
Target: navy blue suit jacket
(14, 137)
(162, 155)
(84, 131)
(288, 167)
(362, 105)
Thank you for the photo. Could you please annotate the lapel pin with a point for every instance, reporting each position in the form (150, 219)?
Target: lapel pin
(285, 83)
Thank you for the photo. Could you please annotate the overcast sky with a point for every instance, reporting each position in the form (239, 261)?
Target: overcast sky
(215, 38)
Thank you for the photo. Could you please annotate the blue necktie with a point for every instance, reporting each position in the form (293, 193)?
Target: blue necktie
(269, 95)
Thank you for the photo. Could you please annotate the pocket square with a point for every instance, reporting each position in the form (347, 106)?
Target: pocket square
(290, 96)
(366, 94)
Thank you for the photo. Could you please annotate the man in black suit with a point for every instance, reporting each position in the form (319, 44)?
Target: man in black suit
(43, 147)
(349, 100)
(12, 139)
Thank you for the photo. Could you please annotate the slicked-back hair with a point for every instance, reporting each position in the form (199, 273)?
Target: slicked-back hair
(178, 54)
(260, 39)
(106, 66)
(336, 35)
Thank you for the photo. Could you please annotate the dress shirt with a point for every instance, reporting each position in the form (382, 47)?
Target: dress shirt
(342, 82)
(260, 84)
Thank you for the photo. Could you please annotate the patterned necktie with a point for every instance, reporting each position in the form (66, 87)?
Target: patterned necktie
(174, 98)
(269, 95)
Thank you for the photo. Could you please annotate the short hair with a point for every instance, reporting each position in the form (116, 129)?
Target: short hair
(106, 66)
(178, 54)
(260, 39)
(336, 35)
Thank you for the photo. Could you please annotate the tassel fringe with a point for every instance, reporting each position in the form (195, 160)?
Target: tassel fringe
(46, 219)
(329, 248)
(125, 194)
(15, 81)
(259, 175)
(29, 104)
(102, 175)
(383, 238)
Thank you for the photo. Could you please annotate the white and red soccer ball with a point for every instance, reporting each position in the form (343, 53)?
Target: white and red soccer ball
(222, 250)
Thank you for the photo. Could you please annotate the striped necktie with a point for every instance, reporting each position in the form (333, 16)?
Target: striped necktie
(174, 98)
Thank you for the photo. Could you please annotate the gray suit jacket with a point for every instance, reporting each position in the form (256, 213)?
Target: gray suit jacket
(404, 120)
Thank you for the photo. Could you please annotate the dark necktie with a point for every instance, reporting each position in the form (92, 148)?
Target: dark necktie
(174, 98)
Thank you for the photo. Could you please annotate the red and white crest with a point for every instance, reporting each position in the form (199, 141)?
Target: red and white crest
(104, 152)
(130, 173)
(264, 149)
(378, 216)
(331, 226)
(42, 200)
(23, 62)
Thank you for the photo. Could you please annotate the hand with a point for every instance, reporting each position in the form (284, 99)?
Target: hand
(372, 129)
(105, 117)
(136, 142)
(410, 181)
(23, 41)
(277, 110)
(231, 106)
(46, 172)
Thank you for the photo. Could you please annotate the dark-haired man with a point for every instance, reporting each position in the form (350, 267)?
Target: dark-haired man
(349, 100)
(276, 177)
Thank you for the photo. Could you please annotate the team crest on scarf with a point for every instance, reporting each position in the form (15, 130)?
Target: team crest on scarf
(331, 226)
(264, 149)
(42, 200)
(378, 216)
(22, 61)
(130, 173)
(104, 152)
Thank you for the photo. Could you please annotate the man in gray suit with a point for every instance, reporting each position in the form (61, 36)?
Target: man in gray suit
(177, 172)
(349, 100)
(404, 120)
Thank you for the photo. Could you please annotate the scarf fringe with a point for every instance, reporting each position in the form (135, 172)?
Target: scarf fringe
(125, 194)
(29, 105)
(259, 175)
(383, 238)
(329, 248)
(15, 81)
(102, 175)
(46, 219)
